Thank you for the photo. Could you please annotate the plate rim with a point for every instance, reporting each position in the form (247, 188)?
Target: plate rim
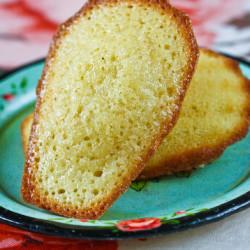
(80, 232)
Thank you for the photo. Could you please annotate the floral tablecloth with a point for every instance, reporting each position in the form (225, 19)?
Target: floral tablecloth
(26, 28)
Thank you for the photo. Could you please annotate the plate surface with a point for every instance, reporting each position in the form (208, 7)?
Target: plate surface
(147, 208)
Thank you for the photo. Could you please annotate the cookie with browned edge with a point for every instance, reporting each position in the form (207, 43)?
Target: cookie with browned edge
(214, 114)
(111, 90)
(179, 153)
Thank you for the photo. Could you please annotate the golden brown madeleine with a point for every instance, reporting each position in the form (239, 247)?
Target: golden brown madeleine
(177, 153)
(25, 132)
(214, 114)
(111, 90)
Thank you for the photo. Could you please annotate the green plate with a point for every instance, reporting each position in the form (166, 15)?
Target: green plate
(147, 208)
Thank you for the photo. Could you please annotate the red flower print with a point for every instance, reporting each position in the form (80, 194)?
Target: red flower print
(8, 97)
(84, 220)
(14, 238)
(27, 27)
(8, 240)
(138, 224)
(180, 212)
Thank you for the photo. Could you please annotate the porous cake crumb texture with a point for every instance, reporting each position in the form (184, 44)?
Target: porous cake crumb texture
(115, 80)
(214, 114)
